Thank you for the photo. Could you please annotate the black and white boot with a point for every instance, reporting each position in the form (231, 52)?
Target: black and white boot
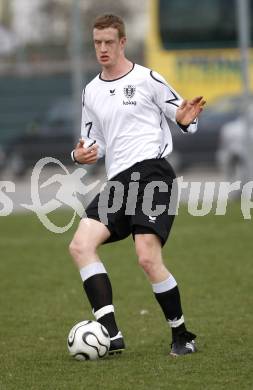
(117, 344)
(183, 344)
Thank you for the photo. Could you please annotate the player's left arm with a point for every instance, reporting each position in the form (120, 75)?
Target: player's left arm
(182, 112)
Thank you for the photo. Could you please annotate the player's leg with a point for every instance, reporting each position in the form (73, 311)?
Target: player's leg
(149, 252)
(83, 249)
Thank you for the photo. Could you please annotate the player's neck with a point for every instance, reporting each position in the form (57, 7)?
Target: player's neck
(118, 70)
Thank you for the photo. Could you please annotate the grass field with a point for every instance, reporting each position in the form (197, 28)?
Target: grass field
(41, 298)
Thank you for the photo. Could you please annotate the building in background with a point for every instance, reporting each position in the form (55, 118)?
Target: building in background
(197, 48)
(42, 28)
(8, 40)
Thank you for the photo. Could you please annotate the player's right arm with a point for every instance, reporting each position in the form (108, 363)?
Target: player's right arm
(90, 135)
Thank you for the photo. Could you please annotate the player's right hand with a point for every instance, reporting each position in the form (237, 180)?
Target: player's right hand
(85, 155)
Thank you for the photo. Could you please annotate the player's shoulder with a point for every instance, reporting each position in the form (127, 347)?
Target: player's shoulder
(89, 90)
(150, 74)
(155, 76)
(142, 71)
(91, 85)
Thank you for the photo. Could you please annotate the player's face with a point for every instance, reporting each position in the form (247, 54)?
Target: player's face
(109, 48)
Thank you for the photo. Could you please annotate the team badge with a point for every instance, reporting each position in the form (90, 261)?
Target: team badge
(129, 91)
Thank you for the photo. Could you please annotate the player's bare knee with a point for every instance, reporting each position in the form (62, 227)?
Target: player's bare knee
(146, 257)
(148, 251)
(74, 249)
(80, 250)
(146, 262)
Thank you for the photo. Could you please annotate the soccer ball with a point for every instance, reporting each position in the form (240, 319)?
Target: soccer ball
(88, 340)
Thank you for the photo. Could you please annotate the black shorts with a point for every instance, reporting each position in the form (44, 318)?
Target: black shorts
(128, 202)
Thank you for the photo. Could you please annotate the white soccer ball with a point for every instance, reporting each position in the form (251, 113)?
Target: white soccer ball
(88, 340)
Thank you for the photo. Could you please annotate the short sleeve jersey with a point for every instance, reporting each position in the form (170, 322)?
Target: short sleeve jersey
(127, 117)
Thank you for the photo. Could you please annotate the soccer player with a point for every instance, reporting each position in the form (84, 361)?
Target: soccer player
(123, 110)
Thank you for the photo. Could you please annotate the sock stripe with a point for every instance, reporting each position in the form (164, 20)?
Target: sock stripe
(103, 311)
(91, 270)
(175, 323)
(164, 286)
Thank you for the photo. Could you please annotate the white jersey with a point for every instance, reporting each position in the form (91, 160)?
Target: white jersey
(126, 117)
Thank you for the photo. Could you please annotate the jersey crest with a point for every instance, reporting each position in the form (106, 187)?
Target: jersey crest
(129, 91)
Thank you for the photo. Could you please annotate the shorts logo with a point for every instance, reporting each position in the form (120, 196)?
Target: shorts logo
(151, 219)
(129, 91)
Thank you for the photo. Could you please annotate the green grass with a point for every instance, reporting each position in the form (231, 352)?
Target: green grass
(41, 298)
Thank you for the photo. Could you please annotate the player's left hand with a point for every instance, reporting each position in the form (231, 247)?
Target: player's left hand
(189, 110)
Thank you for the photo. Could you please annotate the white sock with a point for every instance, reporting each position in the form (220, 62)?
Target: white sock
(92, 269)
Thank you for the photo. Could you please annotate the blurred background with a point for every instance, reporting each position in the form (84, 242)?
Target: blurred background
(200, 47)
